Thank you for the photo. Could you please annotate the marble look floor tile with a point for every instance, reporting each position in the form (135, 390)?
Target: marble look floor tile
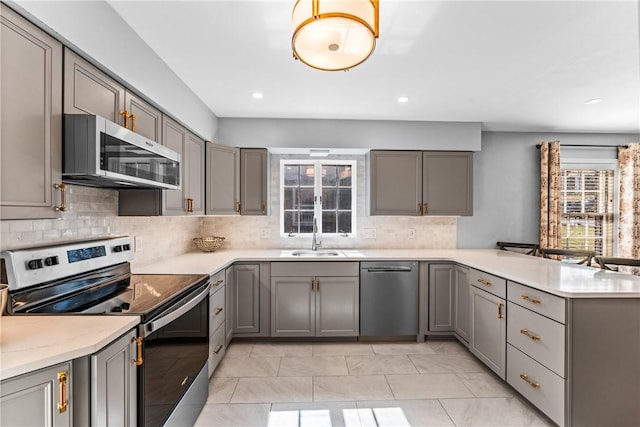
(486, 385)
(355, 387)
(402, 348)
(276, 389)
(221, 389)
(447, 346)
(427, 386)
(495, 412)
(312, 366)
(447, 363)
(370, 365)
(233, 416)
(342, 349)
(401, 413)
(268, 349)
(238, 349)
(243, 367)
(314, 414)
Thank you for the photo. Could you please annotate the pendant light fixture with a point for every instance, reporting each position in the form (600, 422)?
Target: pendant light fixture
(334, 35)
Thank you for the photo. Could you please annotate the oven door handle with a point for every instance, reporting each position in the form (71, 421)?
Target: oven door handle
(174, 313)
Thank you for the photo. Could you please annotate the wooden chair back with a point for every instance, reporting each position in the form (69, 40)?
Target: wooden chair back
(612, 263)
(525, 248)
(583, 256)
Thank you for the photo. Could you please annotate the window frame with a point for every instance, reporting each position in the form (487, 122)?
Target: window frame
(317, 208)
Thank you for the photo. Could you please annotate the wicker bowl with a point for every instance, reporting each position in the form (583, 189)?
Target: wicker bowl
(209, 243)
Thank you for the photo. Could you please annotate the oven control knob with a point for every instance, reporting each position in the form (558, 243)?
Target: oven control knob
(117, 248)
(125, 306)
(52, 260)
(116, 309)
(35, 264)
(126, 247)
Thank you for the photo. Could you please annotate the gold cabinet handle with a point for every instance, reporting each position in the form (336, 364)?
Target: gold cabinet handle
(218, 311)
(62, 383)
(313, 285)
(133, 122)
(528, 298)
(484, 282)
(238, 207)
(500, 315)
(420, 208)
(138, 359)
(189, 205)
(218, 282)
(126, 115)
(63, 197)
(264, 208)
(525, 378)
(217, 350)
(317, 285)
(425, 208)
(527, 333)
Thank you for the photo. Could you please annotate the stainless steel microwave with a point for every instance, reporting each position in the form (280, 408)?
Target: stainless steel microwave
(100, 153)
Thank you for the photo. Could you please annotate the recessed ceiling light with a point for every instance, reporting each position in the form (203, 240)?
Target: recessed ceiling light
(257, 95)
(593, 101)
(403, 99)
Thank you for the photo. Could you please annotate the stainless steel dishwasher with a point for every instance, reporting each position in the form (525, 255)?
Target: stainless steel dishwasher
(388, 298)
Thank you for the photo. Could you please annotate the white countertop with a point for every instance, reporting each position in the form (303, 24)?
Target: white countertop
(28, 343)
(558, 278)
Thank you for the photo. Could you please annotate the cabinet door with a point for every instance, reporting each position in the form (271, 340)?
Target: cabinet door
(34, 399)
(222, 180)
(337, 306)
(114, 384)
(88, 90)
(441, 298)
(194, 173)
(246, 298)
(396, 182)
(253, 181)
(174, 136)
(148, 119)
(488, 329)
(447, 183)
(228, 304)
(293, 307)
(31, 117)
(462, 310)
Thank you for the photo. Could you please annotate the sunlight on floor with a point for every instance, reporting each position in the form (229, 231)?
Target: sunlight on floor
(364, 417)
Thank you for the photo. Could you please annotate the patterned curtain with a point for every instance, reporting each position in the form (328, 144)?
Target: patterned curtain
(629, 221)
(550, 232)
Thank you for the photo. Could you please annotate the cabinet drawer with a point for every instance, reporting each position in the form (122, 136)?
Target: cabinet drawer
(216, 348)
(217, 281)
(539, 385)
(216, 308)
(488, 282)
(540, 338)
(538, 301)
(310, 268)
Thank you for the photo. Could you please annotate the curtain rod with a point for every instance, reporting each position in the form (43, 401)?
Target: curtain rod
(589, 146)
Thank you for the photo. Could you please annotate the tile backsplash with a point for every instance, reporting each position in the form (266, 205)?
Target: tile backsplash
(93, 213)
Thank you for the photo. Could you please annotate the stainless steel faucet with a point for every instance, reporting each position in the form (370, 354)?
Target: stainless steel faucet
(314, 243)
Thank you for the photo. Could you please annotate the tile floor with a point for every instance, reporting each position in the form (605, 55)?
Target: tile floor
(438, 383)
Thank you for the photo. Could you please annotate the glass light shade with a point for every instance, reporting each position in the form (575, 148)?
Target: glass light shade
(334, 35)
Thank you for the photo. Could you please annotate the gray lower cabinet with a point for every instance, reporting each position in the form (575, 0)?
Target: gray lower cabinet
(462, 304)
(441, 297)
(228, 296)
(254, 166)
(40, 398)
(31, 117)
(251, 300)
(222, 180)
(489, 330)
(218, 312)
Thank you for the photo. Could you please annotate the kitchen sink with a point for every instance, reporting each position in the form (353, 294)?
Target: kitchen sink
(309, 253)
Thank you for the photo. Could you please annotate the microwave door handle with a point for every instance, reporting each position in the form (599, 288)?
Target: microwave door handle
(164, 320)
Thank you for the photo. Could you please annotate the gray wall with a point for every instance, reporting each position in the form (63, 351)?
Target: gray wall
(506, 185)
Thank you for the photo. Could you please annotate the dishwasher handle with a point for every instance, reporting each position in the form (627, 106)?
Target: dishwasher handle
(390, 269)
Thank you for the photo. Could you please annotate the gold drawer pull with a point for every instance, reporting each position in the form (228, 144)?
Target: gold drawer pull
(217, 350)
(63, 197)
(525, 378)
(138, 360)
(218, 282)
(500, 315)
(528, 298)
(62, 383)
(218, 311)
(527, 333)
(484, 282)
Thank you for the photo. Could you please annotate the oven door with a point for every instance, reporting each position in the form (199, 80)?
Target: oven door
(175, 350)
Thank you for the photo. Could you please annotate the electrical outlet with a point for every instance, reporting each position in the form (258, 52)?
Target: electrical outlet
(265, 233)
(369, 233)
(138, 244)
(412, 233)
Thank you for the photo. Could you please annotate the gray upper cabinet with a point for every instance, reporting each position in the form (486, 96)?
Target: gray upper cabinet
(34, 399)
(87, 90)
(31, 117)
(146, 120)
(395, 182)
(222, 180)
(421, 183)
(447, 183)
(253, 181)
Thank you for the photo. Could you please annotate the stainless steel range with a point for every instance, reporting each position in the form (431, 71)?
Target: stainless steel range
(94, 278)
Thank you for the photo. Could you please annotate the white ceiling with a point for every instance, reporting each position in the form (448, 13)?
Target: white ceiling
(512, 65)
